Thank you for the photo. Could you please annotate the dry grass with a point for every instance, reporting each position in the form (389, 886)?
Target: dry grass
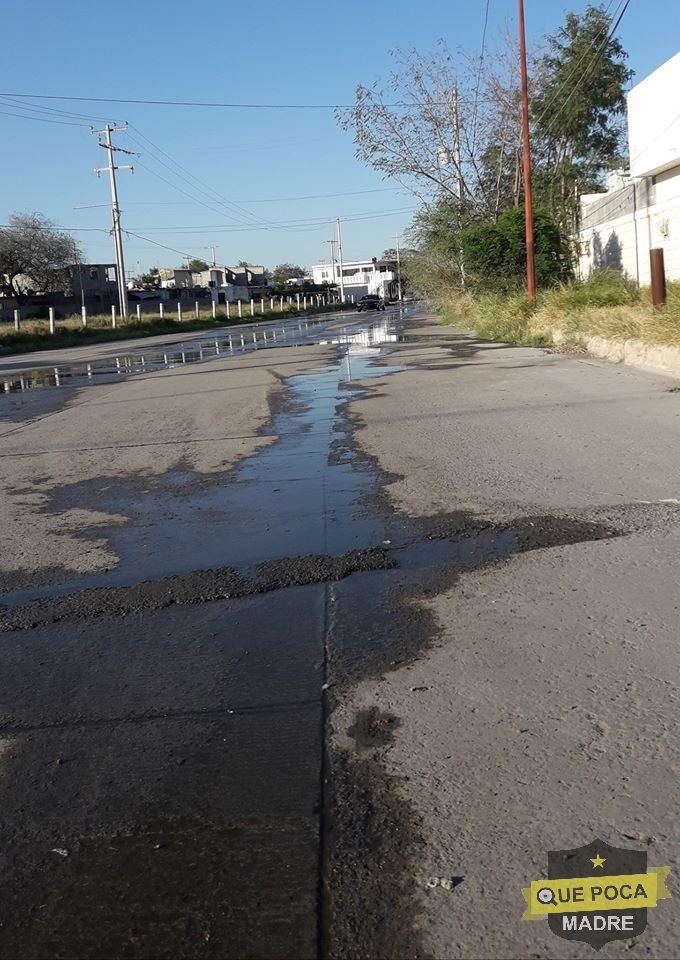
(605, 306)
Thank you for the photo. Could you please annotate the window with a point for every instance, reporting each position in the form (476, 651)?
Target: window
(94, 273)
(111, 274)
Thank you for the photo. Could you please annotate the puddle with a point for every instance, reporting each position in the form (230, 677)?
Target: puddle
(227, 341)
(296, 496)
(307, 495)
(303, 500)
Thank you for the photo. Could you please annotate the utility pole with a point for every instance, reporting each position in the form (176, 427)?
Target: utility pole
(398, 269)
(115, 209)
(459, 174)
(79, 268)
(456, 146)
(332, 243)
(528, 197)
(342, 279)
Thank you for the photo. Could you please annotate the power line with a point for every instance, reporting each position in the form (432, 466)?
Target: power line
(40, 108)
(591, 68)
(211, 194)
(192, 197)
(182, 253)
(291, 225)
(212, 103)
(575, 71)
(585, 74)
(63, 123)
(479, 73)
(221, 227)
(310, 196)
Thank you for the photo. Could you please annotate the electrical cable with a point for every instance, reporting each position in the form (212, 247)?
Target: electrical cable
(221, 201)
(211, 103)
(591, 67)
(479, 75)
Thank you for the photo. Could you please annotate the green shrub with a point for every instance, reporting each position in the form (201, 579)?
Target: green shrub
(495, 253)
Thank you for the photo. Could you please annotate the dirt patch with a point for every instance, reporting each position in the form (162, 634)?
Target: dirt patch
(373, 842)
(373, 728)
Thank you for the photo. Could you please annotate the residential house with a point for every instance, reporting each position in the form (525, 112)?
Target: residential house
(96, 281)
(640, 209)
(359, 277)
(222, 282)
(176, 278)
(253, 278)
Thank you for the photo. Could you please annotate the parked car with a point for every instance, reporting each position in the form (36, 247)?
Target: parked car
(371, 302)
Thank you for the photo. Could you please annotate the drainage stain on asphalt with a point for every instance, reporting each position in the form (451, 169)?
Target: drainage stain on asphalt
(169, 733)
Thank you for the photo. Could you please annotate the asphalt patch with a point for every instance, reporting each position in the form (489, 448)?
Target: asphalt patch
(201, 586)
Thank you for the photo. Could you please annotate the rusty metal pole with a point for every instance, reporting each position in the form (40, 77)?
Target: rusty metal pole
(658, 278)
(528, 196)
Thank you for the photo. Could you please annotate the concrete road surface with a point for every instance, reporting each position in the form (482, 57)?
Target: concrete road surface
(316, 645)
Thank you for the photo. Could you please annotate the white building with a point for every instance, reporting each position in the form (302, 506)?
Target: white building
(359, 277)
(640, 210)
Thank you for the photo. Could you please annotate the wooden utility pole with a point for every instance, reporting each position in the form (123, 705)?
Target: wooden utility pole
(528, 198)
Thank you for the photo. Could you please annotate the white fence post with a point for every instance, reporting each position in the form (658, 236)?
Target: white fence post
(281, 305)
(252, 307)
(17, 319)
(197, 312)
(297, 297)
(161, 310)
(304, 303)
(227, 310)
(214, 311)
(83, 315)
(262, 305)
(113, 316)
(139, 311)
(179, 311)
(51, 319)
(240, 310)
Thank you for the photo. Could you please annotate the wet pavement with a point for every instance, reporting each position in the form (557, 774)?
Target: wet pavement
(166, 781)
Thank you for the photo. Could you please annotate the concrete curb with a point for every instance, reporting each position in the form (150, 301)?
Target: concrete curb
(636, 353)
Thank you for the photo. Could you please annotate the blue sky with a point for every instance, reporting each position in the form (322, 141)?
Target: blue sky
(273, 52)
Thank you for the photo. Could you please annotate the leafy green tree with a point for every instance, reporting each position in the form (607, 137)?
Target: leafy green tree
(284, 272)
(198, 266)
(495, 253)
(152, 278)
(578, 110)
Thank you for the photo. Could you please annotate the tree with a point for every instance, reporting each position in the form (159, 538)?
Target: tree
(198, 266)
(286, 271)
(409, 129)
(578, 109)
(495, 253)
(151, 279)
(35, 255)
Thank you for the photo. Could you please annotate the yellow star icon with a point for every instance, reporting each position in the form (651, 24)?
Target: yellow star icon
(597, 861)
